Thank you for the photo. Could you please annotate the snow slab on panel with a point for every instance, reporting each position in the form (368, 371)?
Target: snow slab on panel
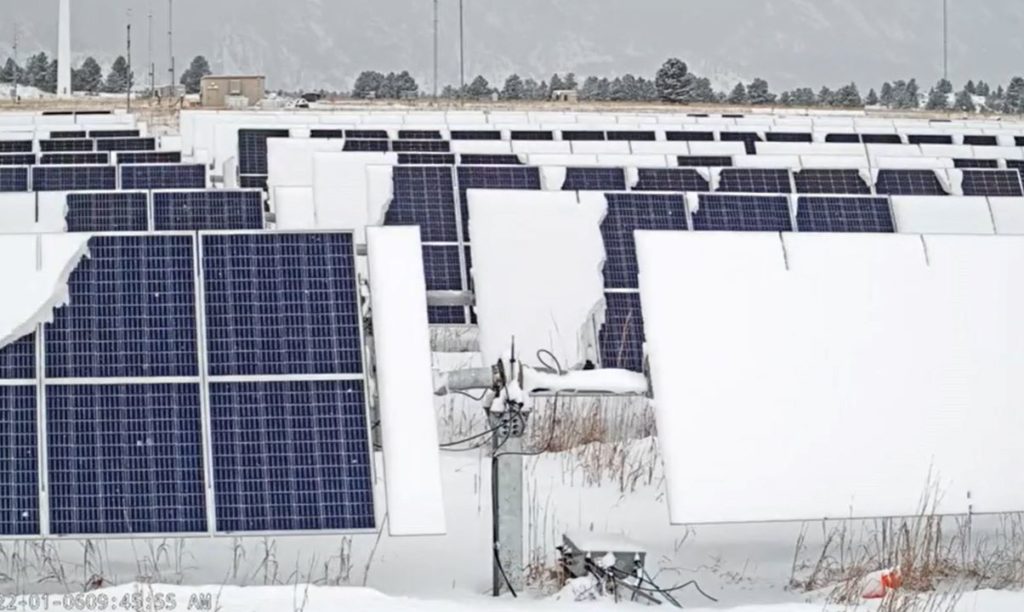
(17, 213)
(537, 261)
(942, 215)
(405, 385)
(294, 208)
(42, 283)
(1008, 215)
(340, 189)
(880, 368)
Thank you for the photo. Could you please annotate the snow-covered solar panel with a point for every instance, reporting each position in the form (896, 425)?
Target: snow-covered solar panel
(831, 181)
(582, 135)
(630, 135)
(842, 214)
(749, 140)
(628, 212)
(670, 179)
(788, 137)
(532, 135)
(754, 180)
(908, 182)
(69, 145)
(1005, 183)
(368, 146)
(116, 211)
(68, 159)
(740, 213)
(13, 178)
(976, 163)
(881, 139)
(842, 138)
(931, 139)
(698, 161)
(426, 159)
(594, 179)
(981, 140)
(322, 133)
(130, 144)
(493, 177)
(215, 209)
(252, 149)
(163, 176)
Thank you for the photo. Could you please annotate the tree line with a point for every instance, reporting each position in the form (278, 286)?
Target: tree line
(40, 72)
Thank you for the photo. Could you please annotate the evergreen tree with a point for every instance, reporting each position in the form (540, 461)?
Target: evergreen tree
(402, 85)
(937, 100)
(50, 82)
(969, 88)
(944, 86)
(513, 89)
(802, 96)
(570, 81)
(965, 101)
(118, 78)
(700, 90)
(758, 93)
(589, 91)
(994, 100)
(738, 95)
(449, 92)
(35, 70)
(671, 81)
(478, 88)
(912, 95)
(982, 89)
(887, 98)
(872, 99)
(1013, 101)
(648, 91)
(786, 99)
(556, 84)
(192, 78)
(848, 96)
(368, 84)
(88, 77)
(11, 72)
(826, 97)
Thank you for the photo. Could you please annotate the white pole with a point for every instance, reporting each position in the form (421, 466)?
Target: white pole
(64, 50)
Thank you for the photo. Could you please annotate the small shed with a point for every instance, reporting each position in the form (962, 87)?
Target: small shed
(232, 91)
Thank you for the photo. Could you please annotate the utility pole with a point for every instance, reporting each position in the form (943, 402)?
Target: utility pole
(462, 52)
(945, 39)
(149, 56)
(435, 48)
(17, 66)
(128, 103)
(170, 39)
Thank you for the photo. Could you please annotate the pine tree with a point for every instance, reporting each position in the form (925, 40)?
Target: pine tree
(965, 101)
(826, 97)
(1013, 101)
(944, 86)
(872, 99)
(49, 84)
(11, 72)
(589, 90)
(88, 77)
(35, 70)
(513, 89)
(368, 84)
(848, 96)
(118, 78)
(556, 84)
(759, 93)
(982, 89)
(478, 88)
(738, 95)
(937, 100)
(995, 100)
(912, 95)
(569, 82)
(803, 96)
(700, 90)
(887, 98)
(969, 88)
(671, 81)
(193, 77)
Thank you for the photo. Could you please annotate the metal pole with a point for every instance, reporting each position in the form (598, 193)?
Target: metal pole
(128, 104)
(170, 39)
(435, 48)
(17, 66)
(149, 55)
(507, 489)
(945, 39)
(462, 52)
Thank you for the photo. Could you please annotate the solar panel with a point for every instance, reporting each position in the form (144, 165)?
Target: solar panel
(163, 176)
(1016, 164)
(149, 157)
(128, 144)
(69, 145)
(125, 459)
(19, 485)
(74, 178)
(732, 116)
(421, 146)
(670, 179)
(424, 196)
(15, 146)
(368, 146)
(326, 134)
(493, 177)
(68, 159)
(281, 304)
(489, 159)
(908, 182)
(114, 134)
(427, 159)
(992, 183)
(929, 139)
(61, 134)
(830, 181)
(754, 180)
(131, 311)
(532, 135)
(1018, 141)
(594, 179)
(582, 135)
(18, 359)
(628, 212)
(979, 140)
(843, 138)
(749, 139)
(788, 137)
(695, 161)
(881, 139)
(13, 178)
(252, 149)
(737, 213)
(690, 136)
(976, 163)
(622, 337)
(117, 211)
(18, 159)
(837, 214)
(419, 135)
(215, 209)
(476, 135)
(631, 135)
(253, 182)
(367, 134)
(442, 269)
(291, 455)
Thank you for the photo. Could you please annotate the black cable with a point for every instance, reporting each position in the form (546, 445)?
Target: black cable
(551, 436)
(558, 366)
(665, 591)
(472, 397)
(501, 570)
(469, 439)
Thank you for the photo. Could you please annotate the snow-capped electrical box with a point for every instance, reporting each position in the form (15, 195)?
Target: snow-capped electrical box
(584, 551)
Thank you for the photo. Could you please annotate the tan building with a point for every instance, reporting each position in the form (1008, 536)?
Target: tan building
(232, 91)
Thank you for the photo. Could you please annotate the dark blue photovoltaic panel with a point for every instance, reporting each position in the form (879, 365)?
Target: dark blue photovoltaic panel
(126, 144)
(66, 159)
(125, 459)
(113, 133)
(843, 181)
(697, 161)
(252, 149)
(424, 196)
(754, 180)
(107, 212)
(670, 179)
(929, 139)
(367, 134)
(218, 209)
(631, 135)
(15, 146)
(881, 139)
(742, 213)
(622, 337)
(13, 178)
(532, 135)
(580, 135)
(992, 183)
(493, 177)
(18, 159)
(132, 311)
(442, 270)
(979, 140)
(163, 176)
(291, 456)
(368, 146)
(327, 134)
(19, 467)
(991, 164)
(419, 135)
(749, 139)
(74, 178)
(426, 159)
(788, 137)
(69, 145)
(18, 359)
(476, 135)
(843, 138)
(628, 212)
(281, 304)
(594, 179)
(908, 182)
(838, 214)
(149, 157)
(253, 182)
(690, 136)
(61, 134)
(489, 159)
(421, 146)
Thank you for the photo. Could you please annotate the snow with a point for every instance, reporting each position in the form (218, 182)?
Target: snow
(537, 260)
(603, 542)
(1008, 215)
(412, 468)
(340, 189)
(294, 208)
(607, 381)
(18, 213)
(901, 347)
(942, 215)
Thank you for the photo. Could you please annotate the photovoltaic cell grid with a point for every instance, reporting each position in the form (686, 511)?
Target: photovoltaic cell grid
(74, 178)
(582, 135)
(367, 134)
(838, 214)
(426, 159)
(493, 177)
(252, 149)
(424, 196)
(532, 135)
(326, 134)
(19, 491)
(132, 312)
(753, 180)
(690, 136)
(908, 182)
(979, 140)
(61, 134)
(992, 183)
(476, 135)
(208, 210)
(281, 304)
(842, 138)
(15, 146)
(149, 157)
(419, 135)
(489, 159)
(749, 139)
(622, 337)
(670, 179)
(929, 139)
(628, 212)
(881, 139)
(65, 159)
(253, 182)
(163, 176)
(18, 359)
(788, 137)
(976, 163)
(125, 459)
(831, 181)
(421, 146)
(66, 146)
(368, 146)
(695, 161)
(594, 179)
(18, 159)
(107, 212)
(290, 456)
(126, 144)
(114, 134)
(443, 272)
(742, 213)
(631, 135)
(13, 178)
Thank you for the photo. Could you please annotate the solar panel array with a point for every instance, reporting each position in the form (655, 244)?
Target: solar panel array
(140, 211)
(742, 213)
(840, 214)
(163, 176)
(992, 183)
(594, 179)
(753, 180)
(908, 182)
(830, 181)
(74, 178)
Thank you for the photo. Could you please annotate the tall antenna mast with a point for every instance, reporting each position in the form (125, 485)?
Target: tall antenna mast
(128, 89)
(945, 39)
(149, 57)
(435, 48)
(17, 66)
(462, 52)
(170, 38)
